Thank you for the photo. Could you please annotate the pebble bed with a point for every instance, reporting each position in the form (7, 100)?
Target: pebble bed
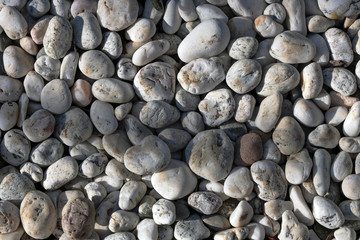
(182, 119)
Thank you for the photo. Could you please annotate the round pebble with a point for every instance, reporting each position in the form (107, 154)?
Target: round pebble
(56, 97)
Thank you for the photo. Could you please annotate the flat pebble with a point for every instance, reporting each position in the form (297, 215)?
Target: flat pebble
(150, 51)
(56, 97)
(16, 62)
(201, 75)
(95, 64)
(59, 173)
(217, 107)
(43, 224)
(288, 136)
(155, 81)
(289, 44)
(15, 147)
(57, 38)
(151, 155)
(192, 227)
(298, 167)
(14, 187)
(326, 213)
(261, 173)
(214, 35)
(175, 181)
(134, 190)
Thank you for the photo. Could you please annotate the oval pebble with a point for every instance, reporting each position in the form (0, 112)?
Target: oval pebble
(102, 115)
(134, 190)
(326, 213)
(95, 64)
(341, 167)
(9, 114)
(340, 80)
(298, 167)
(47, 152)
(350, 187)
(47, 67)
(56, 97)
(243, 185)
(15, 147)
(10, 217)
(14, 187)
(150, 51)
(339, 44)
(18, 27)
(16, 62)
(164, 212)
(39, 126)
(158, 114)
(87, 32)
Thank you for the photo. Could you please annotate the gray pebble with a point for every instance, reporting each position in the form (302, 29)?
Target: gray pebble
(39, 126)
(134, 190)
(68, 67)
(15, 147)
(116, 144)
(339, 45)
(103, 117)
(307, 113)
(123, 221)
(159, 114)
(341, 166)
(135, 130)
(18, 27)
(47, 67)
(186, 101)
(211, 159)
(325, 136)
(96, 192)
(33, 85)
(126, 70)
(192, 122)
(11, 217)
(321, 171)
(267, 27)
(176, 139)
(298, 167)
(14, 187)
(241, 26)
(61, 8)
(247, 9)
(9, 113)
(350, 209)
(205, 202)
(111, 45)
(38, 8)
(322, 55)
(340, 80)
(47, 152)
(95, 64)
(243, 47)
(191, 228)
(23, 109)
(93, 165)
(262, 55)
(326, 213)
(319, 24)
(87, 32)
(276, 11)
(56, 97)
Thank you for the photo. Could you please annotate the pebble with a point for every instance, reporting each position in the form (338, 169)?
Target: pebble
(323, 100)
(123, 221)
(60, 172)
(33, 85)
(216, 222)
(150, 156)
(298, 167)
(47, 67)
(23, 108)
(207, 39)
(238, 184)
(14, 187)
(159, 114)
(275, 208)
(47, 152)
(81, 93)
(186, 101)
(288, 136)
(340, 80)
(134, 190)
(73, 127)
(242, 214)
(140, 31)
(112, 90)
(10, 217)
(147, 230)
(339, 45)
(176, 139)
(56, 97)
(103, 117)
(269, 112)
(16, 62)
(289, 44)
(321, 171)
(244, 75)
(208, 11)
(205, 202)
(150, 51)
(216, 154)
(18, 27)
(113, 148)
(111, 45)
(106, 208)
(87, 32)
(175, 181)
(350, 187)
(350, 127)
(43, 223)
(319, 24)
(238, 233)
(261, 172)
(217, 107)
(345, 233)
(16, 235)
(93, 165)
(322, 50)
(135, 130)
(350, 209)
(326, 213)
(267, 27)
(145, 207)
(291, 228)
(245, 105)
(57, 38)
(187, 10)
(96, 192)
(256, 231)
(243, 48)
(37, 32)
(32, 171)
(126, 70)
(37, 8)
(271, 227)
(191, 228)
(246, 9)
(9, 114)
(15, 147)
(276, 11)
(301, 209)
(241, 27)
(164, 212)
(350, 144)
(201, 75)
(325, 136)
(29, 45)
(336, 10)
(278, 77)
(341, 167)
(155, 81)
(39, 126)
(79, 6)
(311, 80)
(78, 218)
(95, 64)
(271, 152)
(249, 149)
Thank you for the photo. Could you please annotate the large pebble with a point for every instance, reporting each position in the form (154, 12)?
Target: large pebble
(217, 107)
(350, 209)
(155, 81)
(176, 139)
(47, 152)
(298, 167)
(39, 126)
(58, 37)
(15, 147)
(208, 39)
(325, 136)
(201, 75)
(78, 218)
(340, 80)
(249, 149)
(95, 64)
(158, 114)
(38, 215)
(11, 89)
(117, 15)
(73, 127)
(47, 67)
(10, 217)
(278, 77)
(171, 19)
(16, 62)
(14, 187)
(311, 80)
(211, 159)
(270, 180)
(116, 144)
(350, 186)
(56, 97)
(326, 213)
(87, 32)
(111, 45)
(33, 85)
(339, 45)
(93, 165)
(123, 221)
(191, 228)
(131, 194)
(147, 229)
(292, 47)
(288, 136)
(295, 19)
(175, 181)
(244, 75)
(269, 112)
(18, 27)
(59, 173)
(151, 155)
(238, 184)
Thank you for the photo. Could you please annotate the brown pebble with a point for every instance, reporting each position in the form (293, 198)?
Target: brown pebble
(264, 136)
(249, 149)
